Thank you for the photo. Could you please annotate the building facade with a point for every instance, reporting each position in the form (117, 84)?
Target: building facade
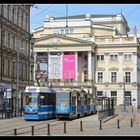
(106, 59)
(16, 57)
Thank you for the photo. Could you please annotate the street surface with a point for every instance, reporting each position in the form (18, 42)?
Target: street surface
(129, 125)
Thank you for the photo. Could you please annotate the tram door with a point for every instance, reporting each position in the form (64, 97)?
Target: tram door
(88, 104)
(73, 98)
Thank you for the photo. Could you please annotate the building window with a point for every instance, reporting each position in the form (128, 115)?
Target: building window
(8, 8)
(85, 76)
(17, 16)
(9, 40)
(4, 38)
(113, 57)
(99, 93)
(128, 97)
(13, 69)
(100, 77)
(26, 22)
(14, 43)
(114, 96)
(100, 57)
(3, 66)
(113, 77)
(113, 93)
(127, 77)
(13, 14)
(66, 31)
(8, 68)
(127, 56)
(22, 21)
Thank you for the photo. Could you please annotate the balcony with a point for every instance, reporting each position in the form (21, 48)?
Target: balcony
(70, 84)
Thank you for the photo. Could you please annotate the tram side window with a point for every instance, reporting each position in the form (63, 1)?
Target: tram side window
(85, 100)
(27, 99)
(73, 101)
(51, 99)
(88, 101)
(78, 100)
(42, 99)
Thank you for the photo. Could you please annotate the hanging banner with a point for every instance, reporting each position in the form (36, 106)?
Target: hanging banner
(42, 66)
(69, 66)
(55, 67)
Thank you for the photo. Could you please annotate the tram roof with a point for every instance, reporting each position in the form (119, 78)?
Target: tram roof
(40, 89)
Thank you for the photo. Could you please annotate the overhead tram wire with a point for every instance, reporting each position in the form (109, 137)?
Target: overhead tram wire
(43, 10)
(133, 10)
(47, 9)
(66, 15)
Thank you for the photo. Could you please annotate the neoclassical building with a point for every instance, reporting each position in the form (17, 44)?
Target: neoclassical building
(87, 51)
(16, 56)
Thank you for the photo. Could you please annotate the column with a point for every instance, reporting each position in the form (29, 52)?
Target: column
(106, 74)
(76, 65)
(48, 68)
(90, 66)
(93, 68)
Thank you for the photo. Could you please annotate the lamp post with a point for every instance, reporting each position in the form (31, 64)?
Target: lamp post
(124, 107)
(48, 67)
(17, 81)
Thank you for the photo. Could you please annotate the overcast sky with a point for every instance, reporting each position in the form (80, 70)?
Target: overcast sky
(130, 11)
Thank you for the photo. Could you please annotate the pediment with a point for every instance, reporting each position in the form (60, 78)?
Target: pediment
(100, 69)
(113, 69)
(56, 39)
(128, 69)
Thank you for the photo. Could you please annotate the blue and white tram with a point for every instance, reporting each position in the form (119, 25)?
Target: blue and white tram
(74, 104)
(40, 103)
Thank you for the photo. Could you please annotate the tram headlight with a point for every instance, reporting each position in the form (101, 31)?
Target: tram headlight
(35, 111)
(27, 111)
(31, 111)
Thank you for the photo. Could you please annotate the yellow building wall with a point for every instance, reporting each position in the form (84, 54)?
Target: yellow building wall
(100, 32)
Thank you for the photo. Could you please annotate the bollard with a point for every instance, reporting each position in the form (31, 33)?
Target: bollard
(48, 129)
(118, 123)
(100, 125)
(64, 127)
(15, 131)
(32, 130)
(81, 126)
(131, 122)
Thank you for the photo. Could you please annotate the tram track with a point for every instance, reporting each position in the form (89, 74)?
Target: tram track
(22, 125)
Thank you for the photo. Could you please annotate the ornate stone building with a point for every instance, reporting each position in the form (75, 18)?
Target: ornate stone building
(16, 57)
(105, 58)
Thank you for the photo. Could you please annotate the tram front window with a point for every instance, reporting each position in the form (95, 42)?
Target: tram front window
(32, 99)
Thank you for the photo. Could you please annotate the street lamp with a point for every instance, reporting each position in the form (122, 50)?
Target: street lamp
(48, 66)
(124, 107)
(17, 82)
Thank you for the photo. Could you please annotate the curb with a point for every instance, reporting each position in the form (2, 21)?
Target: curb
(110, 118)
